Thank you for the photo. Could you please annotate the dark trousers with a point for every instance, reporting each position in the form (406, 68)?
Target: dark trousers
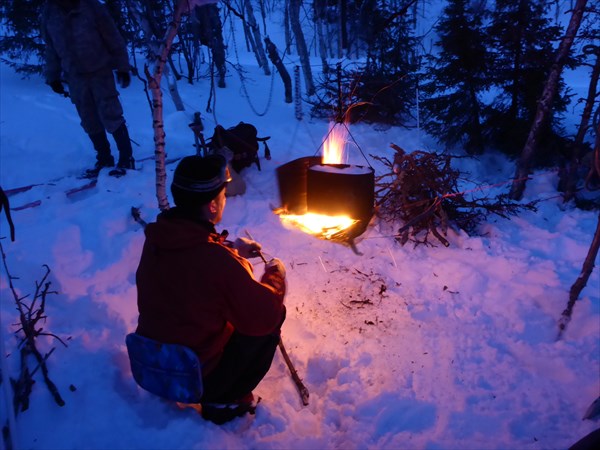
(245, 362)
(211, 34)
(97, 101)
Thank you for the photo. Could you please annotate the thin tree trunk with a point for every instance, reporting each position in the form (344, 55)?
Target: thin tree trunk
(172, 83)
(340, 39)
(320, 12)
(248, 37)
(545, 103)
(263, 15)
(286, 23)
(513, 110)
(582, 279)
(298, 93)
(150, 30)
(344, 23)
(258, 48)
(285, 76)
(571, 172)
(301, 46)
(476, 146)
(157, 103)
(186, 47)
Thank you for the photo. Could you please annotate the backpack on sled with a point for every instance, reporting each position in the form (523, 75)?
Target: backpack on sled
(242, 140)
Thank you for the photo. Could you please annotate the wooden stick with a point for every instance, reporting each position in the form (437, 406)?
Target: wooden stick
(304, 394)
(297, 380)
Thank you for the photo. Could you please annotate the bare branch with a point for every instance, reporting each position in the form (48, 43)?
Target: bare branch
(29, 317)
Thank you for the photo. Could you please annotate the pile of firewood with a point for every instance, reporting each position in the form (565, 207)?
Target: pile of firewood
(421, 193)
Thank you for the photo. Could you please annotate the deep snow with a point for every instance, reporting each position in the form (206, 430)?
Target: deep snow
(455, 348)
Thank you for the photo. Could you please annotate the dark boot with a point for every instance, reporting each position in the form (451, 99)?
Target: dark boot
(221, 81)
(103, 155)
(126, 161)
(221, 413)
(121, 136)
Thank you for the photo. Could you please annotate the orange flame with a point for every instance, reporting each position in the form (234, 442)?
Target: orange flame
(333, 147)
(321, 225)
(325, 227)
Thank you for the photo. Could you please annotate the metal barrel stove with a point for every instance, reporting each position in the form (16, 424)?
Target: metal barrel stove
(307, 185)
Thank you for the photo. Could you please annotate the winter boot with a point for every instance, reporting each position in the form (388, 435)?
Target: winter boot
(103, 155)
(221, 413)
(221, 81)
(126, 161)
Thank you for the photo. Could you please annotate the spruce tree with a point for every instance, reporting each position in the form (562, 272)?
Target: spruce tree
(523, 40)
(20, 43)
(456, 77)
(387, 80)
(382, 88)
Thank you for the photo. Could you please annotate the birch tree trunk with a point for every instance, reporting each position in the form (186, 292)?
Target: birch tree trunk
(157, 106)
(301, 45)
(545, 103)
(172, 83)
(154, 50)
(258, 47)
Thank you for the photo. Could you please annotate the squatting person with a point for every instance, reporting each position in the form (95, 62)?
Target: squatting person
(196, 290)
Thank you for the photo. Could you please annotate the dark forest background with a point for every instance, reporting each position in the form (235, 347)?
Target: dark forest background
(471, 76)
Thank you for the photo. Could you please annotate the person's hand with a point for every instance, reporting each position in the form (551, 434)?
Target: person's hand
(58, 87)
(123, 78)
(275, 265)
(247, 248)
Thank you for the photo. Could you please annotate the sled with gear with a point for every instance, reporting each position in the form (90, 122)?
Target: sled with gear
(170, 371)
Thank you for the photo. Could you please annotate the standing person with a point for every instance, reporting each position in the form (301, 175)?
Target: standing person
(210, 31)
(83, 47)
(196, 290)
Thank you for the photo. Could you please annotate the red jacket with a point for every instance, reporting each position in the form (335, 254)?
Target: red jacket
(194, 291)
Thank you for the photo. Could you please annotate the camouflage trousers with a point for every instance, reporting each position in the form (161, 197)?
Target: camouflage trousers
(97, 101)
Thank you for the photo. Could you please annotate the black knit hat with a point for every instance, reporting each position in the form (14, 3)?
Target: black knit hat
(197, 180)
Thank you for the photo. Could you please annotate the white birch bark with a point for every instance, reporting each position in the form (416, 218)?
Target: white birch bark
(301, 46)
(157, 104)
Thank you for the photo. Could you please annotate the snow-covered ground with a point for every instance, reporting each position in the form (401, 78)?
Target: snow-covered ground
(455, 348)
